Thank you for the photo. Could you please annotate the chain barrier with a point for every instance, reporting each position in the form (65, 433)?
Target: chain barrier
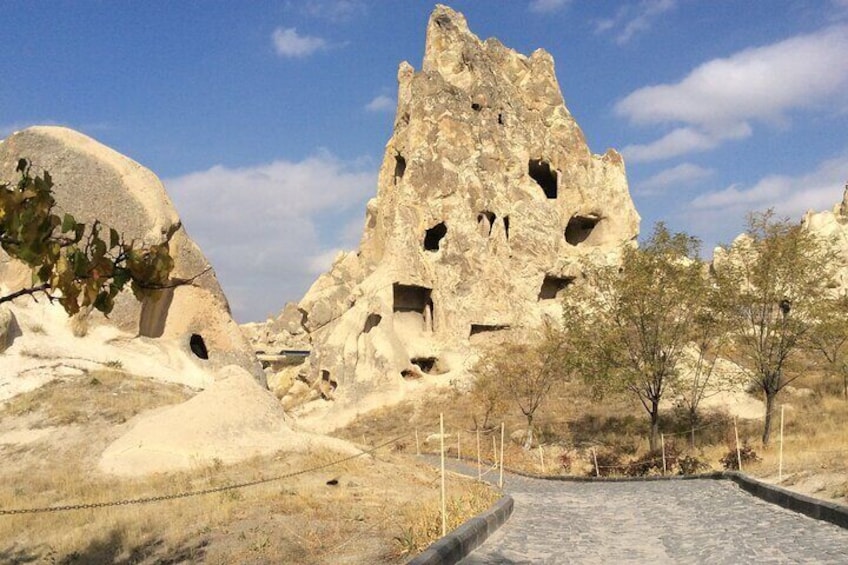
(188, 494)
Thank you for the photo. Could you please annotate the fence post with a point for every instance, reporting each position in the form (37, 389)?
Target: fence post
(780, 465)
(738, 451)
(662, 441)
(494, 451)
(595, 458)
(542, 459)
(444, 504)
(479, 468)
(417, 445)
(500, 479)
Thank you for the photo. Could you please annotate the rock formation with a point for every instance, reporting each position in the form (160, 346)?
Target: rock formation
(488, 198)
(95, 182)
(832, 225)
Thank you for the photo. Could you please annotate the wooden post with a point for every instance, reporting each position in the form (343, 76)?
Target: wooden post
(500, 479)
(542, 459)
(780, 464)
(417, 445)
(444, 503)
(595, 458)
(738, 451)
(479, 467)
(494, 451)
(662, 440)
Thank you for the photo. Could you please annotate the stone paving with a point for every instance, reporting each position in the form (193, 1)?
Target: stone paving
(675, 521)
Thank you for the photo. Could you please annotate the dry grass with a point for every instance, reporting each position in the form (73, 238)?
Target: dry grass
(353, 512)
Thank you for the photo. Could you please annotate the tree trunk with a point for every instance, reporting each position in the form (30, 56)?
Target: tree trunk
(770, 396)
(655, 425)
(693, 423)
(528, 439)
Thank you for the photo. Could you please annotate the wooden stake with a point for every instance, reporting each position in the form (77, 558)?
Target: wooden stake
(780, 465)
(595, 457)
(738, 451)
(494, 451)
(444, 503)
(479, 467)
(542, 459)
(500, 479)
(662, 440)
(417, 445)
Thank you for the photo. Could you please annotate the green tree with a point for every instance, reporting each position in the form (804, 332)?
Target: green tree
(829, 338)
(522, 374)
(74, 264)
(634, 321)
(776, 285)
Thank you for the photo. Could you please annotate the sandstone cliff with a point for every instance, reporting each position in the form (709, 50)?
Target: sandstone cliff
(488, 197)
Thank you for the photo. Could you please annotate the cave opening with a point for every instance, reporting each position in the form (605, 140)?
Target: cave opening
(433, 236)
(579, 228)
(552, 287)
(541, 172)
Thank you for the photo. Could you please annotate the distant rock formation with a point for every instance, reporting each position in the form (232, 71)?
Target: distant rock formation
(95, 182)
(833, 226)
(488, 198)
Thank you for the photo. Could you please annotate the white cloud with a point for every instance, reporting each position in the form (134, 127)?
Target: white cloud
(791, 196)
(381, 103)
(682, 174)
(719, 99)
(632, 19)
(334, 10)
(267, 228)
(289, 43)
(547, 6)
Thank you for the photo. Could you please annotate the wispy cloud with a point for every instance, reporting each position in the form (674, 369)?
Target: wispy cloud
(267, 228)
(381, 103)
(720, 99)
(547, 6)
(289, 43)
(632, 19)
(680, 175)
(334, 10)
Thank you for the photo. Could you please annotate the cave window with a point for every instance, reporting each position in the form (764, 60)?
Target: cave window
(477, 329)
(545, 177)
(506, 227)
(371, 322)
(434, 235)
(475, 106)
(400, 167)
(579, 228)
(426, 364)
(198, 346)
(500, 119)
(552, 286)
(412, 298)
(485, 222)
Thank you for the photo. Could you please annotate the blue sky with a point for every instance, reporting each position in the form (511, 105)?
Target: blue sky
(267, 120)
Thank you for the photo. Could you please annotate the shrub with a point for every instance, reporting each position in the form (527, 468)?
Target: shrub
(652, 462)
(691, 465)
(565, 461)
(609, 463)
(730, 461)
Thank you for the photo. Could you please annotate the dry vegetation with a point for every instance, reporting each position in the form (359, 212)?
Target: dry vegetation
(369, 510)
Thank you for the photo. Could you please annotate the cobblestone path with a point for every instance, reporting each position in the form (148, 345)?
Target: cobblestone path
(676, 521)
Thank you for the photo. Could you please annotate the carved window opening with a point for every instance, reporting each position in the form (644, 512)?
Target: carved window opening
(500, 119)
(400, 167)
(412, 298)
(198, 346)
(485, 222)
(371, 322)
(552, 287)
(426, 364)
(477, 329)
(506, 227)
(475, 106)
(434, 235)
(579, 228)
(545, 177)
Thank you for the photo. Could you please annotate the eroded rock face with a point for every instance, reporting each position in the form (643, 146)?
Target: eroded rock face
(94, 182)
(488, 198)
(832, 226)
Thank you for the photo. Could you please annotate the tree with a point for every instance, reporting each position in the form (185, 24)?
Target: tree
(776, 283)
(633, 322)
(522, 374)
(76, 265)
(829, 338)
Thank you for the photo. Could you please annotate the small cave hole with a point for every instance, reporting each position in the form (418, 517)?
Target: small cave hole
(506, 227)
(426, 364)
(408, 374)
(579, 228)
(434, 235)
(417, 299)
(552, 286)
(500, 119)
(371, 322)
(485, 222)
(545, 177)
(400, 167)
(327, 385)
(477, 329)
(198, 346)
(475, 106)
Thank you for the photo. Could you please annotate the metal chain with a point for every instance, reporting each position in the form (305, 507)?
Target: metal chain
(187, 494)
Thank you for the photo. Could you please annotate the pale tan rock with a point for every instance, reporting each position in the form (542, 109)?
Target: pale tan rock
(8, 328)
(92, 182)
(488, 198)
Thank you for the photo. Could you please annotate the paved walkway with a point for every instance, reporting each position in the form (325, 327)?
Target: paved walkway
(691, 521)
